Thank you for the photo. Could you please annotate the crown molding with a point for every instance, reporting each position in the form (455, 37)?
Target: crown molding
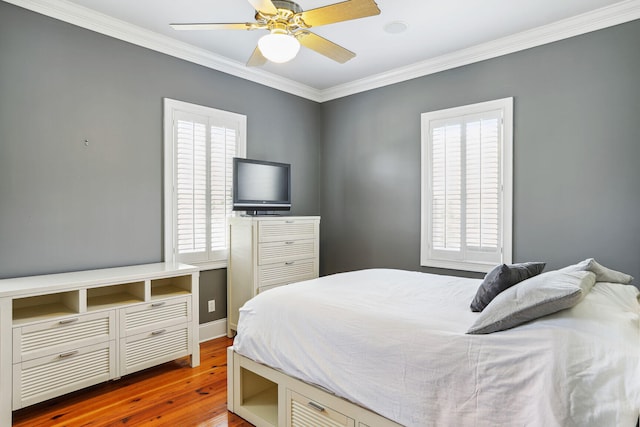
(598, 19)
(103, 24)
(618, 13)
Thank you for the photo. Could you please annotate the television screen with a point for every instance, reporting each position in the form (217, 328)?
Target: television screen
(261, 186)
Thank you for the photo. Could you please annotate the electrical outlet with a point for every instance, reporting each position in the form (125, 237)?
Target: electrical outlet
(212, 305)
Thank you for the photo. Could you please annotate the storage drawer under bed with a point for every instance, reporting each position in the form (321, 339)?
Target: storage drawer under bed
(302, 412)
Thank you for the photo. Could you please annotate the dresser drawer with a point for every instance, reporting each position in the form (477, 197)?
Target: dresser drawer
(57, 336)
(152, 348)
(155, 315)
(291, 229)
(287, 272)
(302, 411)
(262, 289)
(46, 377)
(287, 250)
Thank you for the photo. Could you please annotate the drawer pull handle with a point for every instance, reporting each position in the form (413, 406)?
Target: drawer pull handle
(289, 243)
(315, 406)
(289, 222)
(159, 332)
(67, 354)
(158, 304)
(67, 321)
(289, 263)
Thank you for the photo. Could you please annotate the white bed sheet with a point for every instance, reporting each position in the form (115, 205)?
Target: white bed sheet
(394, 341)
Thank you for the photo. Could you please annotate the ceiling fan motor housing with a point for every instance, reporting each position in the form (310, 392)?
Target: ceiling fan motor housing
(286, 9)
(286, 4)
(287, 21)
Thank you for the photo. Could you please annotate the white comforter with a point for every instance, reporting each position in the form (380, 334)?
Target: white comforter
(394, 342)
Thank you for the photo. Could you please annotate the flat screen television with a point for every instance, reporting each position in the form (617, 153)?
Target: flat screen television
(260, 187)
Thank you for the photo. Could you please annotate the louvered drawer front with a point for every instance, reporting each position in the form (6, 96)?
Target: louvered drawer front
(273, 231)
(155, 347)
(145, 317)
(44, 338)
(262, 289)
(40, 379)
(304, 412)
(287, 272)
(287, 250)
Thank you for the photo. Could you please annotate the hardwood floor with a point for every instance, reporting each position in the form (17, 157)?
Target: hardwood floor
(169, 394)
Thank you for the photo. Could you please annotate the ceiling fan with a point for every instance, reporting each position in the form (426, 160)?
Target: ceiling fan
(288, 27)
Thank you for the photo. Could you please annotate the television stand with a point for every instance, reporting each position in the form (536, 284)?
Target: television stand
(267, 252)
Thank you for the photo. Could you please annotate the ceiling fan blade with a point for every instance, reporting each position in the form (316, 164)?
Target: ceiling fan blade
(338, 12)
(324, 46)
(257, 59)
(212, 26)
(264, 6)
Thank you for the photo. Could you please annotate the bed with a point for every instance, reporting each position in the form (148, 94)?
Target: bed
(391, 347)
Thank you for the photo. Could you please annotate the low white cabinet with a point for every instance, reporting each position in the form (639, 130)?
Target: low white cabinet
(63, 332)
(266, 252)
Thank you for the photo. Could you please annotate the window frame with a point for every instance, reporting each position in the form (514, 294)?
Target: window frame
(430, 257)
(171, 108)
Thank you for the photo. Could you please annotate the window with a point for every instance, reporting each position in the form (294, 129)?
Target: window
(467, 186)
(200, 143)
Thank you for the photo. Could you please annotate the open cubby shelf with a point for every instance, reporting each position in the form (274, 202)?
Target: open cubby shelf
(41, 312)
(98, 297)
(167, 291)
(260, 397)
(162, 288)
(40, 307)
(115, 295)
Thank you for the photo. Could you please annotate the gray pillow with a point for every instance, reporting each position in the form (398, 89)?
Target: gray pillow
(603, 274)
(502, 277)
(533, 298)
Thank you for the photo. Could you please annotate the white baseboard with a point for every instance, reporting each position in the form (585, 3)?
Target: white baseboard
(211, 330)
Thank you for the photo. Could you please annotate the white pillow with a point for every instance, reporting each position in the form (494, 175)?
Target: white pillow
(603, 274)
(530, 299)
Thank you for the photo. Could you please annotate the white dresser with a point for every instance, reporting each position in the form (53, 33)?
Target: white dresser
(63, 332)
(266, 252)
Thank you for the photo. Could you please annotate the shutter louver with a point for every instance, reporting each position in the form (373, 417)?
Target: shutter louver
(191, 187)
(223, 149)
(483, 184)
(447, 190)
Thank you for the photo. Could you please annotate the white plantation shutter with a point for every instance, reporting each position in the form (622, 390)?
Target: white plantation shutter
(483, 185)
(447, 186)
(200, 144)
(466, 196)
(191, 186)
(223, 150)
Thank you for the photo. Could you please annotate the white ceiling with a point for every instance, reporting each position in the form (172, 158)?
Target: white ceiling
(437, 31)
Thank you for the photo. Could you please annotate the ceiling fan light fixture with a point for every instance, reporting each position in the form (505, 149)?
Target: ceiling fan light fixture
(279, 47)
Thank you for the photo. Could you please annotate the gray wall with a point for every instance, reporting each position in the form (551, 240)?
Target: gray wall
(65, 206)
(576, 153)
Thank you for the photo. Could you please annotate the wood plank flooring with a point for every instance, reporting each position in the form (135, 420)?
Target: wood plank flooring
(170, 394)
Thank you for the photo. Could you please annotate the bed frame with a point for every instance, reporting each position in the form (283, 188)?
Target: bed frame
(267, 397)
